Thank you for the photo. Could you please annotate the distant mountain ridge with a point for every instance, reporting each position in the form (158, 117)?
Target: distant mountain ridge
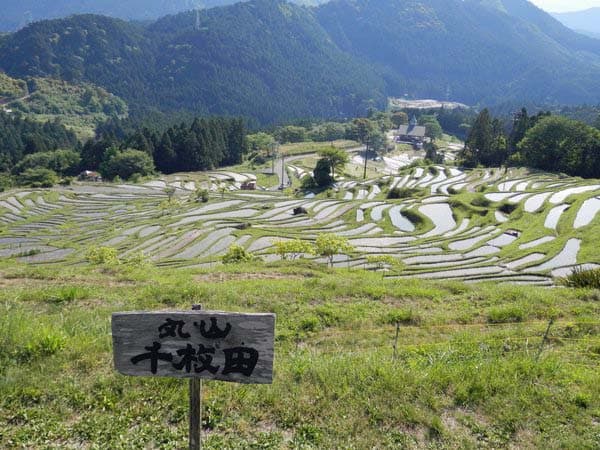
(275, 61)
(18, 13)
(587, 21)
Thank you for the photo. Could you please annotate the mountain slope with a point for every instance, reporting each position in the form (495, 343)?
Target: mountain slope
(18, 13)
(476, 50)
(586, 21)
(266, 59)
(275, 61)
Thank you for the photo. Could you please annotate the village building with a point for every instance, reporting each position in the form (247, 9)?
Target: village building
(88, 175)
(413, 133)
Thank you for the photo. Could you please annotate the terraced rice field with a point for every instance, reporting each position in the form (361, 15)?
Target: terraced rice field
(503, 225)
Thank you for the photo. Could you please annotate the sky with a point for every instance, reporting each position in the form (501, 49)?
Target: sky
(566, 5)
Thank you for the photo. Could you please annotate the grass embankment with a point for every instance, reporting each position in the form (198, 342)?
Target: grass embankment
(302, 148)
(465, 374)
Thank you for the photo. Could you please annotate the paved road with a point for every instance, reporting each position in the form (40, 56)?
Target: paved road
(284, 180)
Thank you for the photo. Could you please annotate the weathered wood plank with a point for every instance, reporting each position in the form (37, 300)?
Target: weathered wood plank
(195, 344)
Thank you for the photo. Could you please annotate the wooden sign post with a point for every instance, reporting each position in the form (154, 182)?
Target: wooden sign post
(195, 344)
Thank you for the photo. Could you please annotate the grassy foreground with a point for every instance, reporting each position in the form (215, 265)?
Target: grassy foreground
(465, 373)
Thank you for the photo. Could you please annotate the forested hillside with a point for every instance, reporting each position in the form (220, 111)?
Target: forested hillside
(21, 137)
(80, 107)
(470, 50)
(18, 13)
(274, 61)
(266, 59)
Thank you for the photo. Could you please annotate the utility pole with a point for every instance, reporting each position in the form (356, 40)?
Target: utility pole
(366, 155)
(282, 171)
(273, 156)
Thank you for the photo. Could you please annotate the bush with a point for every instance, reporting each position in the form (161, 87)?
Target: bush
(64, 162)
(398, 193)
(582, 278)
(413, 216)
(308, 182)
(506, 314)
(481, 201)
(126, 164)
(102, 255)
(508, 208)
(6, 181)
(401, 316)
(202, 195)
(238, 254)
(38, 178)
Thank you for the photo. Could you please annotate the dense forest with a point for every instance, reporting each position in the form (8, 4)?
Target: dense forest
(22, 137)
(205, 144)
(542, 141)
(274, 62)
(38, 154)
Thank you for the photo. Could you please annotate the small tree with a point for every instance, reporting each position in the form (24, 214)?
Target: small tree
(399, 118)
(322, 173)
(383, 261)
(170, 191)
(329, 245)
(293, 249)
(202, 195)
(336, 157)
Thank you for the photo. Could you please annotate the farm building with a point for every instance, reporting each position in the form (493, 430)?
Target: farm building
(412, 133)
(88, 175)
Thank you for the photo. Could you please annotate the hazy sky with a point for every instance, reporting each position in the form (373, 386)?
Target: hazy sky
(566, 5)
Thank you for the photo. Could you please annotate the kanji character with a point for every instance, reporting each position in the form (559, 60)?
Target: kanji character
(154, 356)
(240, 360)
(172, 328)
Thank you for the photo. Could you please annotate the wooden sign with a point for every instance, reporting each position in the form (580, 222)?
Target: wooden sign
(195, 344)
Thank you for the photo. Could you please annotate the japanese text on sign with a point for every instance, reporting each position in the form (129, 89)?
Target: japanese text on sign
(203, 344)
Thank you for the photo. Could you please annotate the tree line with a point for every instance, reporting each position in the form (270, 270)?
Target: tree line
(203, 144)
(37, 154)
(542, 141)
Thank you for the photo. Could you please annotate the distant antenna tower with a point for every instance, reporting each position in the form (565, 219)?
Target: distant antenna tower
(448, 93)
(196, 6)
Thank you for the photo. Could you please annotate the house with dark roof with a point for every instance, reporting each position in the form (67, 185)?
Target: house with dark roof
(412, 133)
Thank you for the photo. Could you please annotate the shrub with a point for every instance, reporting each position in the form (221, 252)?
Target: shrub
(506, 314)
(128, 163)
(397, 193)
(508, 208)
(38, 178)
(102, 255)
(308, 182)
(202, 195)
(237, 254)
(582, 278)
(401, 316)
(481, 201)
(293, 249)
(413, 216)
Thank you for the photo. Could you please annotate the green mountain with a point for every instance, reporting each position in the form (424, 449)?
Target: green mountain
(478, 51)
(18, 13)
(275, 61)
(265, 59)
(587, 21)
